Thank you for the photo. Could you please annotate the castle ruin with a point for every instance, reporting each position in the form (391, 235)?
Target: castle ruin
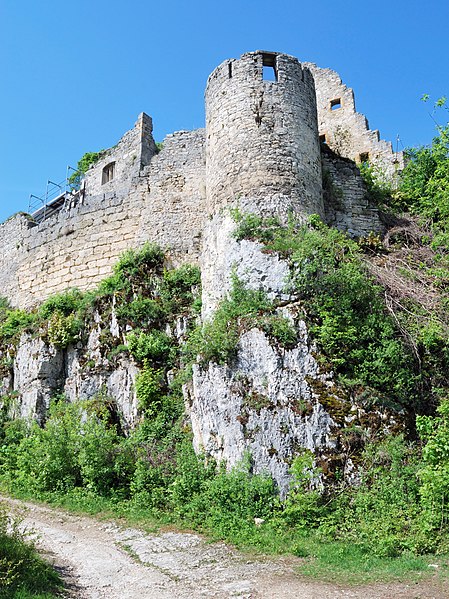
(275, 130)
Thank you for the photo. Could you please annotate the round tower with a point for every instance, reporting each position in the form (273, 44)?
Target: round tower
(262, 145)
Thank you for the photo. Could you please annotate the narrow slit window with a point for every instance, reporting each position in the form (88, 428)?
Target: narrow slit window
(230, 70)
(336, 104)
(269, 70)
(108, 173)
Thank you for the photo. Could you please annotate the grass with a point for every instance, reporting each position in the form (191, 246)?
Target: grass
(23, 594)
(23, 572)
(349, 564)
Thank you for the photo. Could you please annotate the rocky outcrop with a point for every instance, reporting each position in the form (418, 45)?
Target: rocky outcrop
(41, 371)
(262, 403)
(223, 257)
(37, 376)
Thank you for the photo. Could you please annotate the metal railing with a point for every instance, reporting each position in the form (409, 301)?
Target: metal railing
(56, 196)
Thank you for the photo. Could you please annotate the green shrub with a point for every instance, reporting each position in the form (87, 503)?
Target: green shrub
(434, 470)
(66, 303)
(379, 190)
(84, 163)
(14, 323)
(134, 263)
(303, 507)
(217, 339)
(180, 287)
(424, 184)
(233, 499)
(149, 392)
(141, 311)
(253, 227)
(154, 346)
(63, 330)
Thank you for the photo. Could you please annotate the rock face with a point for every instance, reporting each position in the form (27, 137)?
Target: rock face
(261, 403)
(41, 371)
(224, 257)
(37, 376)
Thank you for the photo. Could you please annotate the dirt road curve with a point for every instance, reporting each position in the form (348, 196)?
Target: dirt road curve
(103, 561)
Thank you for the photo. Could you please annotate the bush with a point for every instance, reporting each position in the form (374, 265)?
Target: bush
(66, 303)
(424, 184)
(14, 323)
(141, 311)
(180, 287)
(154, 346)
(84, 163)
(434, 471)
(149, 389)
(63, 330)
(135, 263)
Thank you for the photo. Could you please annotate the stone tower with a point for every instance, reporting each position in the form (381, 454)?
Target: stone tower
(263, 157)
(262, 143)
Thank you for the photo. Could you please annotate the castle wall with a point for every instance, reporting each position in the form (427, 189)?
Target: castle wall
(345, 197)
(78, 247)
(174, 192)
(134, 151)
(346, 131)
(262, 150)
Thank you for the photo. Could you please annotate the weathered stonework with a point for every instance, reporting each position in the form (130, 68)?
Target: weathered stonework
(345, 130)
(262, 149)
(260, 152)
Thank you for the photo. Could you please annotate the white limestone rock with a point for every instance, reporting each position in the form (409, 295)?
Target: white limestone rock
(117, 383)
(225, 256)
(262, 403)
(38, 373)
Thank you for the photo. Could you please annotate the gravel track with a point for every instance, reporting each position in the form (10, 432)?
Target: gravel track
(101, 560)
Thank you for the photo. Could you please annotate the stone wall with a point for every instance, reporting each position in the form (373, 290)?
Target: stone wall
(345, 130)
(78, 246)
(260, 152)
(173, 189)
(134, 151)
(346, 199)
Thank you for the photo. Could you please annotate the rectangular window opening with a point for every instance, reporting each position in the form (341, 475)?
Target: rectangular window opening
(108, 173)
(364, 157)
(230, 70)
(336, 104)
(323, 139)
(269, 70)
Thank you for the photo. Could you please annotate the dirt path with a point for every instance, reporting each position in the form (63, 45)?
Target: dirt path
(103, 561)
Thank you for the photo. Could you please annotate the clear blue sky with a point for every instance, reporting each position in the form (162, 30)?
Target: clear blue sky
(75, 75)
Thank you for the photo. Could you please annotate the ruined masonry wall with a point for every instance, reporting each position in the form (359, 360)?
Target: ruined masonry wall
(78, 247)
(174, 191)
(345, 197)
(260, 152)
(134, 151)
(346, 130)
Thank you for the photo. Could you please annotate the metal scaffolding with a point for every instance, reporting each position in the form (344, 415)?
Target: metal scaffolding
(56, 196)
